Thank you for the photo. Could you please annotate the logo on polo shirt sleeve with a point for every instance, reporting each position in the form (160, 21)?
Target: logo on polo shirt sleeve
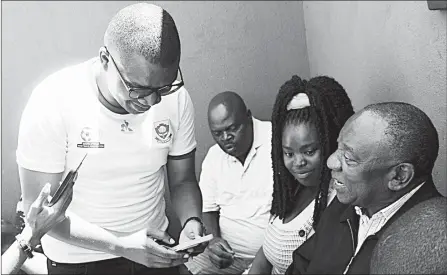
(90, 139)
(163, 131)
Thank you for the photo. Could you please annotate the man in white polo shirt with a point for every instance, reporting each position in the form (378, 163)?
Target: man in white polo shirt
(237, 186)
(128, 110)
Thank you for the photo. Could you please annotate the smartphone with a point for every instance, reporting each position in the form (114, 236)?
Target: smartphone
(166, 245)
(192, 243)
(68, 181)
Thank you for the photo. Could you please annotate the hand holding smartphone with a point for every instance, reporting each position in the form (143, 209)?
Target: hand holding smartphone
(68, 182)
(183, 247)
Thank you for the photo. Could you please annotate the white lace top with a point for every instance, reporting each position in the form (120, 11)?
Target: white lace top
(282, 239)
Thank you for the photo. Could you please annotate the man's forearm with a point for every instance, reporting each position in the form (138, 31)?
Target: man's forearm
(76, 231)
(187, 201)
(211, 221)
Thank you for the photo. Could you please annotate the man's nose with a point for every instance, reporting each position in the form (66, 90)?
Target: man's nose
(333, 162)
(225, 136)
(150, 100)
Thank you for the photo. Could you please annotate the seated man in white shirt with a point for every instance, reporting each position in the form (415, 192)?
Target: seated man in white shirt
(237, 185)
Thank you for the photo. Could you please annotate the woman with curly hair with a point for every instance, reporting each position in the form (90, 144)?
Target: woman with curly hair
(307, 118)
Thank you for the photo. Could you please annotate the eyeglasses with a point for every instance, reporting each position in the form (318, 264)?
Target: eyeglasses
(137, 93)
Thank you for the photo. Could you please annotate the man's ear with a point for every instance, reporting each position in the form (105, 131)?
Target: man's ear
(104, 57)
(401, 175)
(249, 117)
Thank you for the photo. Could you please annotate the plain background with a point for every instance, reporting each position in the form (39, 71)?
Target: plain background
(384, 51)
(379, 51)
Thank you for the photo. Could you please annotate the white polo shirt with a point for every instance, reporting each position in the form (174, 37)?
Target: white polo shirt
(120, 186)
(242, 193)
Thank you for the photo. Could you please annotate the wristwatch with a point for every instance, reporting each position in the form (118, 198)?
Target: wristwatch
(25, 246)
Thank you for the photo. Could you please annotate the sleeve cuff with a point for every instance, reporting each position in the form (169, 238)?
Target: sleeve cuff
(39, 166)
(210, 209)
(185, 151)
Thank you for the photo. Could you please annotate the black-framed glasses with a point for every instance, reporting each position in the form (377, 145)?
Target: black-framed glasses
(140, 92)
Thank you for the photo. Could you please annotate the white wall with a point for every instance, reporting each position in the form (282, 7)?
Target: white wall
(384, 51)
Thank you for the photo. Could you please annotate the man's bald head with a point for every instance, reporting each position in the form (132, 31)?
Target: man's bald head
(416, 243)
(227, 102)
(231, 124)
(147, 30)
(411, 135)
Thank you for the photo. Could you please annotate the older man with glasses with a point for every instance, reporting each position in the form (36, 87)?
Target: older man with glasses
(131, 114)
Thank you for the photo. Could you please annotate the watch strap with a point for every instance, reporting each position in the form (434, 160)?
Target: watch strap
(25, 246)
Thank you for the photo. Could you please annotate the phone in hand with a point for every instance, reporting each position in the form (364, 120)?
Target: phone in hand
(183, 247)
(68, 181)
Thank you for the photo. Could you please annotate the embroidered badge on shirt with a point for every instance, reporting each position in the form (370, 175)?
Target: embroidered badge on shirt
(162, 131)
(90, 139)
(125, 127)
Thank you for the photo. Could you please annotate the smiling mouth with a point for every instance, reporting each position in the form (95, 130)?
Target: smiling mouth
(338, 183)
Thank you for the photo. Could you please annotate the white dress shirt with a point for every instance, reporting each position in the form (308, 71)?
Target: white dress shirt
(370, 226)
